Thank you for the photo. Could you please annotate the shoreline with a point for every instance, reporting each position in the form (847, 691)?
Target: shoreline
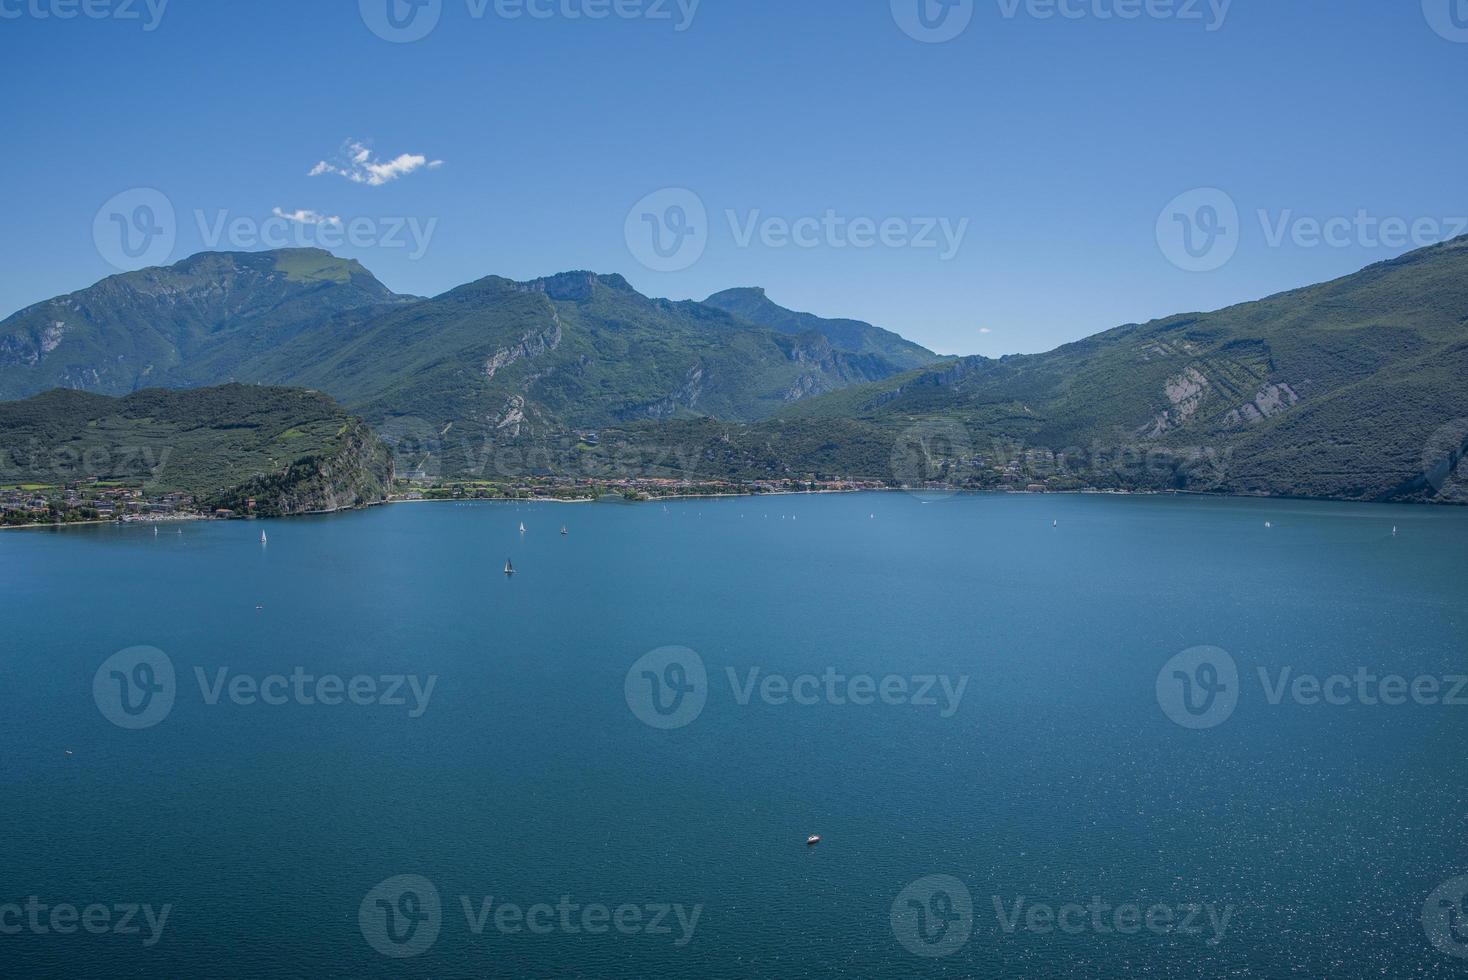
(67, 524)
(944, 492)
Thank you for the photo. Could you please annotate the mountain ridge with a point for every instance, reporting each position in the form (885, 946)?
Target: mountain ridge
(493, 359)
(1329, 389)
(752, 303)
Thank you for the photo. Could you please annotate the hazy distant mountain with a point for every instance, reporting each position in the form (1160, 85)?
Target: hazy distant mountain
(850, 335)
(196, 322)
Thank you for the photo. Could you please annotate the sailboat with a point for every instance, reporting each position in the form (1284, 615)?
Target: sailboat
(509, 567)
(263, 539)
(564, 532)
(522, 527)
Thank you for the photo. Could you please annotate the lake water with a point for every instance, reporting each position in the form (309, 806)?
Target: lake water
(558, 753)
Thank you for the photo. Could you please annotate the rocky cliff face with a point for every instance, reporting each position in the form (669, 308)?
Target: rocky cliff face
(357, 474)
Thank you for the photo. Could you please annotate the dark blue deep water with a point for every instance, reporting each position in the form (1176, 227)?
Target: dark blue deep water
(1323, 832)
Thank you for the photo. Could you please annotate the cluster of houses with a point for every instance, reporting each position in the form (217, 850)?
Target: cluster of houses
(92, 500)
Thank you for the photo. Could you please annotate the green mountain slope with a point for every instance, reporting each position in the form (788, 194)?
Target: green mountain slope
(199, 321)
(1351, 389)
(490, 364)
(498, 363)
(295, 451)
(849, 335)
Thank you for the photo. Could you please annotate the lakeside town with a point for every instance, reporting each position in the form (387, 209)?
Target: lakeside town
(27, 505)
(94, 501)
(32, 505)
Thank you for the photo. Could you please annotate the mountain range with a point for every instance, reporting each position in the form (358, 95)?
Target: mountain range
(492, 361)
(1346, 389)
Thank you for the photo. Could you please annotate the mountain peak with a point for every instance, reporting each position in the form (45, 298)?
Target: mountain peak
(154, 325)
(753, 304)
(578, 286)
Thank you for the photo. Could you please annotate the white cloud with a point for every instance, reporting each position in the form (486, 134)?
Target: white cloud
(356, 164)
(985, 330)
(302, 216)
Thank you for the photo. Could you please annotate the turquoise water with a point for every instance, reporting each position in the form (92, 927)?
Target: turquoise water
(1057, 777)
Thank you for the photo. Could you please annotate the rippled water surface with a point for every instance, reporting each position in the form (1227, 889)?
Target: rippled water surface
(1042, 769)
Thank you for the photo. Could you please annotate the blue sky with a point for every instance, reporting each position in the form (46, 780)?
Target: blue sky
(1052, 149)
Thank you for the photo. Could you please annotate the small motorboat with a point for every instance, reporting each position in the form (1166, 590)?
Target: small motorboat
(564, 532)
(812, 840)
